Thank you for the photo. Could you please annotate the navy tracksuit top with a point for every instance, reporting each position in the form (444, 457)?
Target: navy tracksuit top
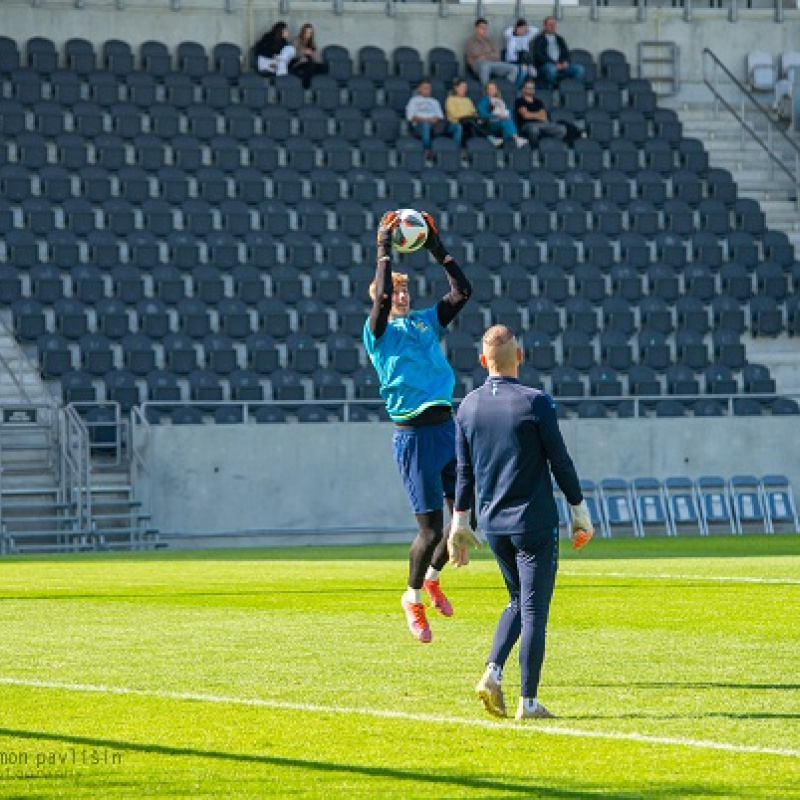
(508, 441)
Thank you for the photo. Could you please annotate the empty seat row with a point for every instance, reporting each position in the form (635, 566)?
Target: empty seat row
(679, 505)
(81, 56)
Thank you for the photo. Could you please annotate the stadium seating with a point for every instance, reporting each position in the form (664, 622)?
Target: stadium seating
(678, 505)
(673, 264)
(749, 507)
(715, 505)
(780, 505)
(650, 502)
(619, 510)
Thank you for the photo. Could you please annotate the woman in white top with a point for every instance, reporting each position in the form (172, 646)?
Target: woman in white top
(273, 51)
(518, 39)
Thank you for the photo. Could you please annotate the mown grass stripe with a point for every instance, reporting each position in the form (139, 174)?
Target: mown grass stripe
(547, 729)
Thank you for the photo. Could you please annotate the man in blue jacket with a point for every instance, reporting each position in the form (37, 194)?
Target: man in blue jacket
(551, 56)
(507, 444)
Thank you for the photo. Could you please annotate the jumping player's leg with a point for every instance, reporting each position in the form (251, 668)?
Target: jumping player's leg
(421, 455)
(445, 450)
(425, 544)
(440, 555)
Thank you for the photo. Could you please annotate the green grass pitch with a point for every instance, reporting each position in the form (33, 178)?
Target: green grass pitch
(673, 666)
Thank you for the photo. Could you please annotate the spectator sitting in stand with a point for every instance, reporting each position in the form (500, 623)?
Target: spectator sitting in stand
(518, 46)
(306, 62)
(461, 110)
(483, 57)
(492, 109)
(273, 52)
(531, 116)
(426, 118)
(551, 56)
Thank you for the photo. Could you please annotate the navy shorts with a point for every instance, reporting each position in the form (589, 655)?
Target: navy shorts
(426, 458)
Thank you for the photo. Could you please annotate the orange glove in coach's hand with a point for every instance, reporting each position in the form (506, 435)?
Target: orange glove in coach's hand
(389, 221)
(433, 243)
(582, 529)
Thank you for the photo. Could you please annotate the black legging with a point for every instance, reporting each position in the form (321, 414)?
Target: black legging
(306, 70)
(429, 548)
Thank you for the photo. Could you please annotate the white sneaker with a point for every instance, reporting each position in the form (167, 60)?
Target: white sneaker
(490, 693)
(496, 141)
(540, 712)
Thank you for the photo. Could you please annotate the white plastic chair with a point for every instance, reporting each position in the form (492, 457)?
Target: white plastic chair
(761, 72)
(784, 88)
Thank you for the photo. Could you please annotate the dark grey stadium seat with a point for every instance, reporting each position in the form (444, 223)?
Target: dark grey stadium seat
(719, 379)
(681, 380)
(78, 387)
(245, 385)
(192, 59)
(97, 354)
(766, 316)
(123, 388)
(55, 355)
(443, 64)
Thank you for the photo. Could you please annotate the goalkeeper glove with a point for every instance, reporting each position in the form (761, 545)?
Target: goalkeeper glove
(389, 221)
(433, 243)
(582, 529)
(461, 537)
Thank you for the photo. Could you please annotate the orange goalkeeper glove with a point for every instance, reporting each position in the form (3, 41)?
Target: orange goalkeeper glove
(582, 529)
(433, 243)
(389, 221)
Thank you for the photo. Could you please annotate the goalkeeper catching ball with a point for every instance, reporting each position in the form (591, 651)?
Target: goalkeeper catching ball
(417, 386)
(508, 442)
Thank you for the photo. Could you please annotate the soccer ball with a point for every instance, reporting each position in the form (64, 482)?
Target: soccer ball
(411, 233)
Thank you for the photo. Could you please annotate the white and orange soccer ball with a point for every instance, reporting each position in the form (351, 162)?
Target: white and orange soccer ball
(412, 231)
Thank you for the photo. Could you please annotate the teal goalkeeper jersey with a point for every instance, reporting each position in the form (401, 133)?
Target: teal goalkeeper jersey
(412, 369)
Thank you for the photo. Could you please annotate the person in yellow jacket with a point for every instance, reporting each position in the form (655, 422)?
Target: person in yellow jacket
(460, 110)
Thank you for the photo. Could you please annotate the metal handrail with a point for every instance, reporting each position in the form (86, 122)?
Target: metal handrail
(141, 417)
(772, 130)
(76, 465)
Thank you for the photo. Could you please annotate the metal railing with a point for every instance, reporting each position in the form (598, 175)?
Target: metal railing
(745, 108)
(75, 460)
(732, 12)
(154, 413)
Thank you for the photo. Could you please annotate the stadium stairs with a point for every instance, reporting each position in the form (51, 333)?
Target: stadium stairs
(59, 491)
(730, 147)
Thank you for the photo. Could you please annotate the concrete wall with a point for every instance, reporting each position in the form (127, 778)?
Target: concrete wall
(418, 24)
(342, 477)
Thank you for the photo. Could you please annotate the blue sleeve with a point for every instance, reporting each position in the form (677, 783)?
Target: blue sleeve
(484, 108)
(556, 450)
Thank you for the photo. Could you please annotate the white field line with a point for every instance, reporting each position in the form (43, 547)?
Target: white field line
(673, 577)
(556, 730)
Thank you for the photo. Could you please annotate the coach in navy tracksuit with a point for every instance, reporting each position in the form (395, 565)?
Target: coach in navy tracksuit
(507, 442)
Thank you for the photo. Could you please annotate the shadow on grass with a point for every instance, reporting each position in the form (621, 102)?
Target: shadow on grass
(520, 789)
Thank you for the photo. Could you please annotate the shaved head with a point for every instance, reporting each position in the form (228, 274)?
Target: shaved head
(500, 351)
